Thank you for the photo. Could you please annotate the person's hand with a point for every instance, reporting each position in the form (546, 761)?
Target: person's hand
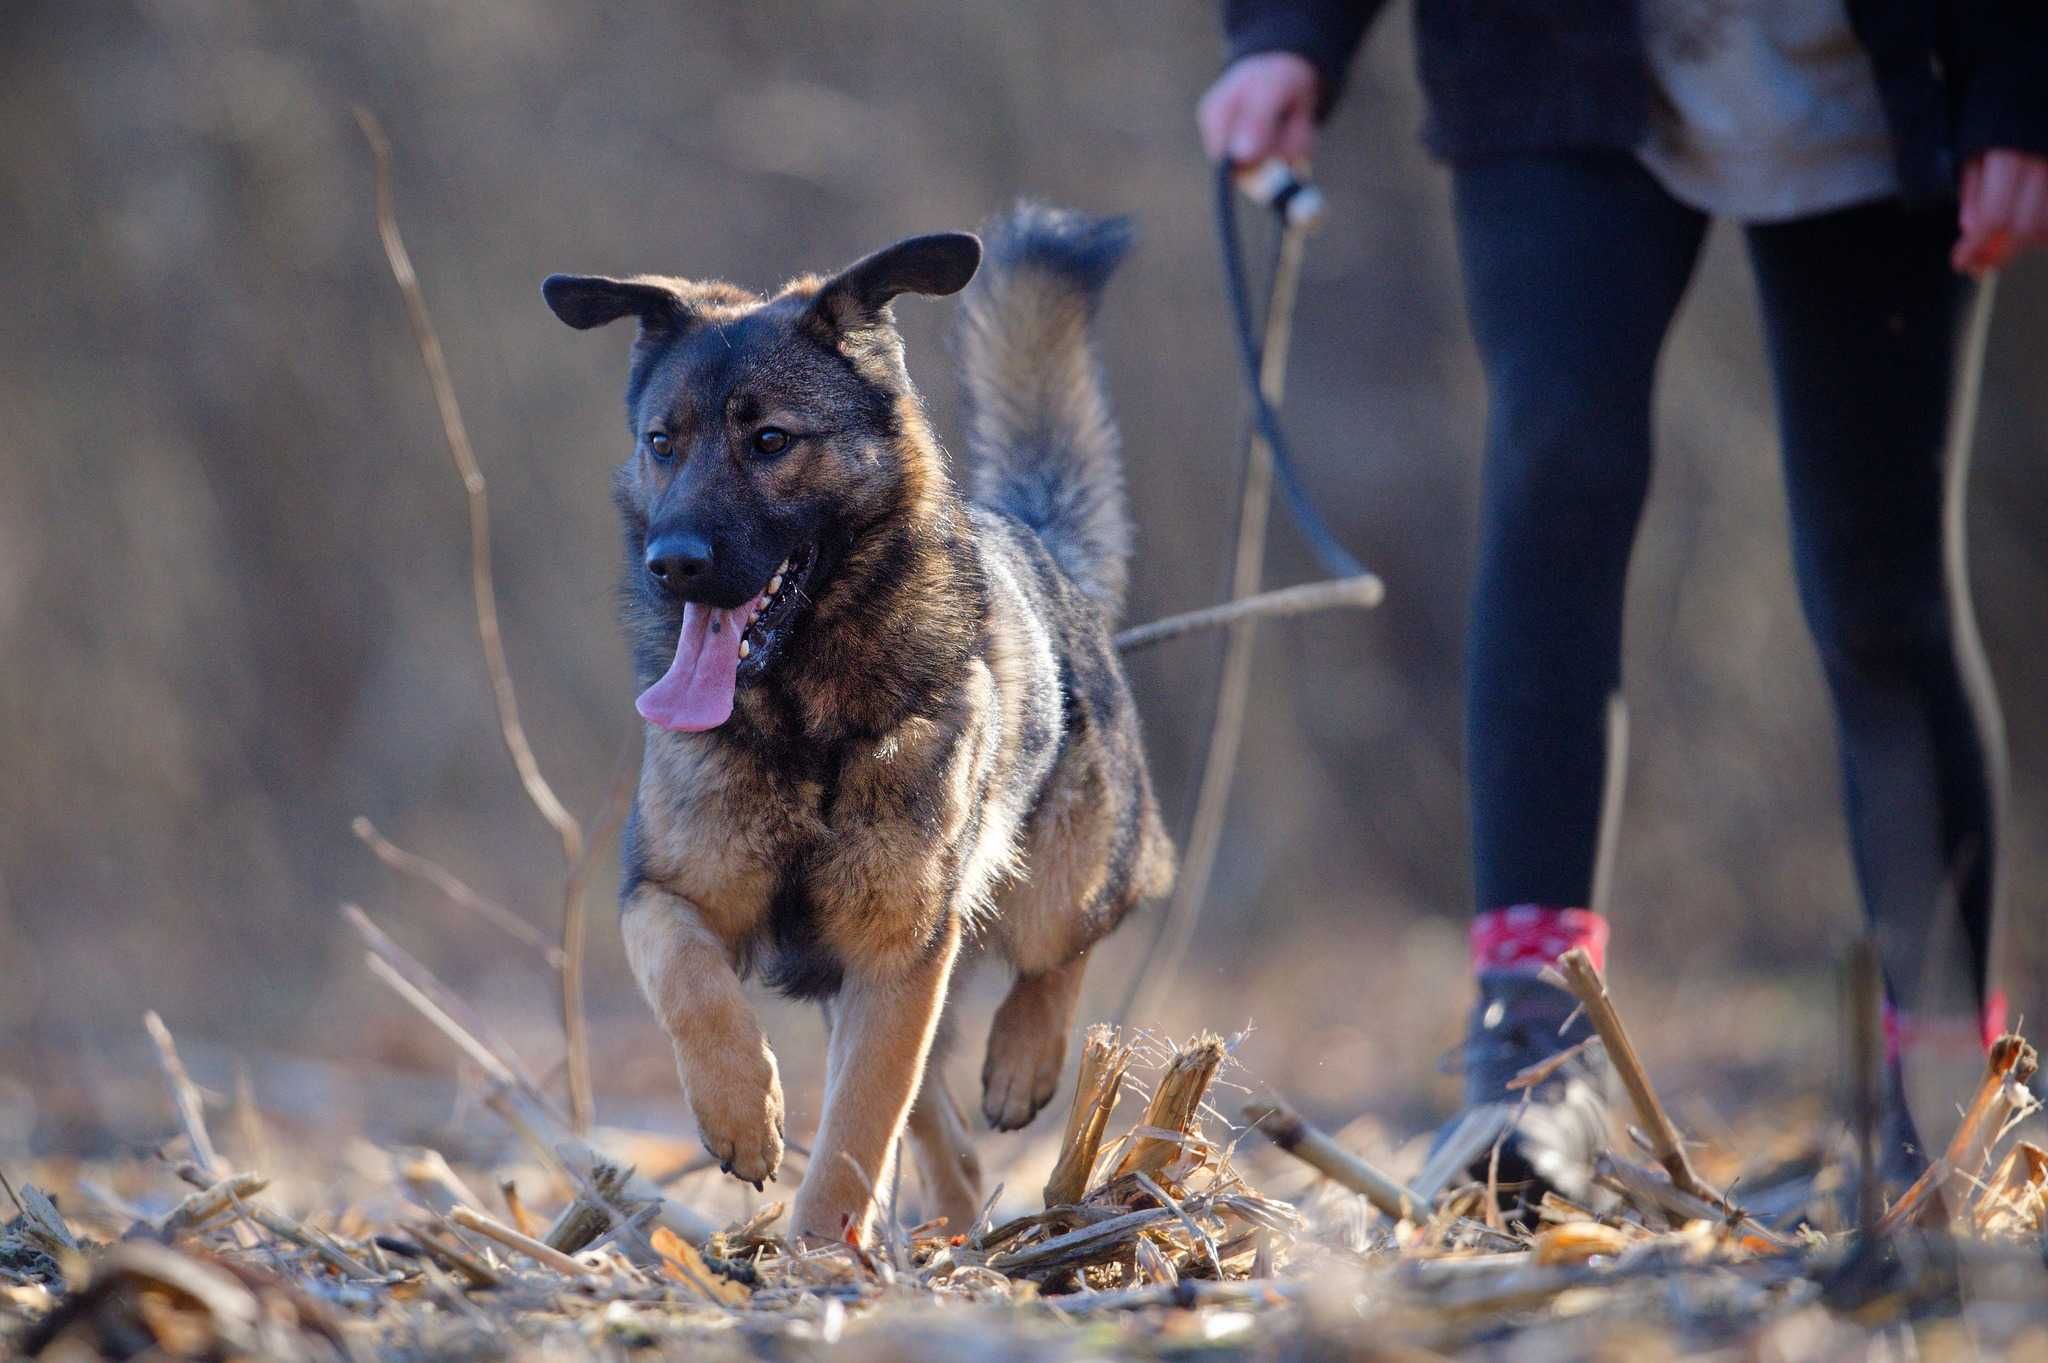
(1261, 106)
(2004, 211)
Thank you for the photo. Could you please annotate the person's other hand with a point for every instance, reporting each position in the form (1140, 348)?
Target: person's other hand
(1261, 106)
(2004, 210)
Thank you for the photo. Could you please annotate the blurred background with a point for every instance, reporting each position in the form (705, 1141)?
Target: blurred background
(234, 596)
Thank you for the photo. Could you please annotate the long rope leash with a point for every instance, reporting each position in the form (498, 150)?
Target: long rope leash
(1267, 461)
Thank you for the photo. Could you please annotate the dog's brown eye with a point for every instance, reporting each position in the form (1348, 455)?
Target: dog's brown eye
(771, 440)
(659, 443)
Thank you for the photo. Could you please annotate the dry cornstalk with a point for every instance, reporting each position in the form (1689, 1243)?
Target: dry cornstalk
(211, 1201)
(1089, 1244)
(454, 1260)
(184, 1096)
(2010, 1065)
(589, 1215)
(493, 1229)
(284, 1227)
(508, 1189)
(430, 1178)
(1583, 979)
(484, 588)
(1300, 1138)
(1653, 1193)
(2016, 1197)
(1105, 1060)
(1176, 1105)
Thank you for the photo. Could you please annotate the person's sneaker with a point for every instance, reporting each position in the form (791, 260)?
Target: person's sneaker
(1553, 1131)
(1901, 1157)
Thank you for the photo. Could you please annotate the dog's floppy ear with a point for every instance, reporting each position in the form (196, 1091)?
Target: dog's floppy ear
(938, 264)
(590, 300)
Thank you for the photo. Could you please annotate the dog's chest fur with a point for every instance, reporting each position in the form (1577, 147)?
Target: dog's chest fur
(850, 855)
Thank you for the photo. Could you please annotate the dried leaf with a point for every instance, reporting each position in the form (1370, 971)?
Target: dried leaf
(681, 1262)
(1575, 1242)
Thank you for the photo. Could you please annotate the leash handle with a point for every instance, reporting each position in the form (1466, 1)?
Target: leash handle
(1273, 183)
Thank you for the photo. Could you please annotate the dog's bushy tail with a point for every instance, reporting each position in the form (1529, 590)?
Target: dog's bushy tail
(1044, 445)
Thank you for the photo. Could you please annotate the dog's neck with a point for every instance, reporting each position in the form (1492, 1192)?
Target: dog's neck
(892, 628)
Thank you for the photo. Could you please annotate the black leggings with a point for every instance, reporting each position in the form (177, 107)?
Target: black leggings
(1574, 264)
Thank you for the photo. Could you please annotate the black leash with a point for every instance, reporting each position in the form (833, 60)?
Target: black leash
(1295, 205)
(1337, 561)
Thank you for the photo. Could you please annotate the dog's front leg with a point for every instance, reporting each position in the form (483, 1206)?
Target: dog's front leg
(881, 1037)
(727, 1070)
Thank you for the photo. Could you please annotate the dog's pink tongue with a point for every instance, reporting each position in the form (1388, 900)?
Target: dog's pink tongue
(697, 692)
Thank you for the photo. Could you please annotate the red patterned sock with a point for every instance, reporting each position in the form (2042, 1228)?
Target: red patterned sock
(1903, 1030)
(1521, 939)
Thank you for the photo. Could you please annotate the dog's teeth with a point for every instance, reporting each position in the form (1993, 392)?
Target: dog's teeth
(745, 648)
(775, 584)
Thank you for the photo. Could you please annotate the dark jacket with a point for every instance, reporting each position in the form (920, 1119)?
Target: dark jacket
(1956, 76)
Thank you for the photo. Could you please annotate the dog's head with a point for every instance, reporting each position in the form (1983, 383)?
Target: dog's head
(768, 435)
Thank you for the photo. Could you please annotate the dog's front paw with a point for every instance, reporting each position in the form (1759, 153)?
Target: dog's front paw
(1022, 1071)
(736, 1096)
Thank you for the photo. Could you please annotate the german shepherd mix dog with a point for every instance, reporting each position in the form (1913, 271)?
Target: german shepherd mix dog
(886, 724)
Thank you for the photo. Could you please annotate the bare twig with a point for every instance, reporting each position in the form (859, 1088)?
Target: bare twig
(537, 788)
(1355, 593)
(484, 588)
(492, 1229)
(490, 1051)
(184, 1095)
(1300, 1138)
(575, 1025)
(454, 889)
(1583, 979)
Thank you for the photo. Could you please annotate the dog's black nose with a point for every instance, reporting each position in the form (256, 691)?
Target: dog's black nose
(674, 559)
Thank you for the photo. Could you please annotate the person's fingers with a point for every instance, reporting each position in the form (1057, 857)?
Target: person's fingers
(1256, 124)
(1297, 139)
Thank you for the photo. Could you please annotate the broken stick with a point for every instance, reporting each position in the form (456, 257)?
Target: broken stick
(1582, 978)
(1294, 1133)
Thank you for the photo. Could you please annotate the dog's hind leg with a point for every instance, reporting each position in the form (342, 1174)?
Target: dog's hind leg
(881, 1038)
(1027, 1044)
(946, 1163)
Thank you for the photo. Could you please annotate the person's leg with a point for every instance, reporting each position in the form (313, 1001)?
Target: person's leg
(1574, 264)
(1875, 345)
(1869, 333)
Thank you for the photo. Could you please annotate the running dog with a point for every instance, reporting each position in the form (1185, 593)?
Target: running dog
(886, 725)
